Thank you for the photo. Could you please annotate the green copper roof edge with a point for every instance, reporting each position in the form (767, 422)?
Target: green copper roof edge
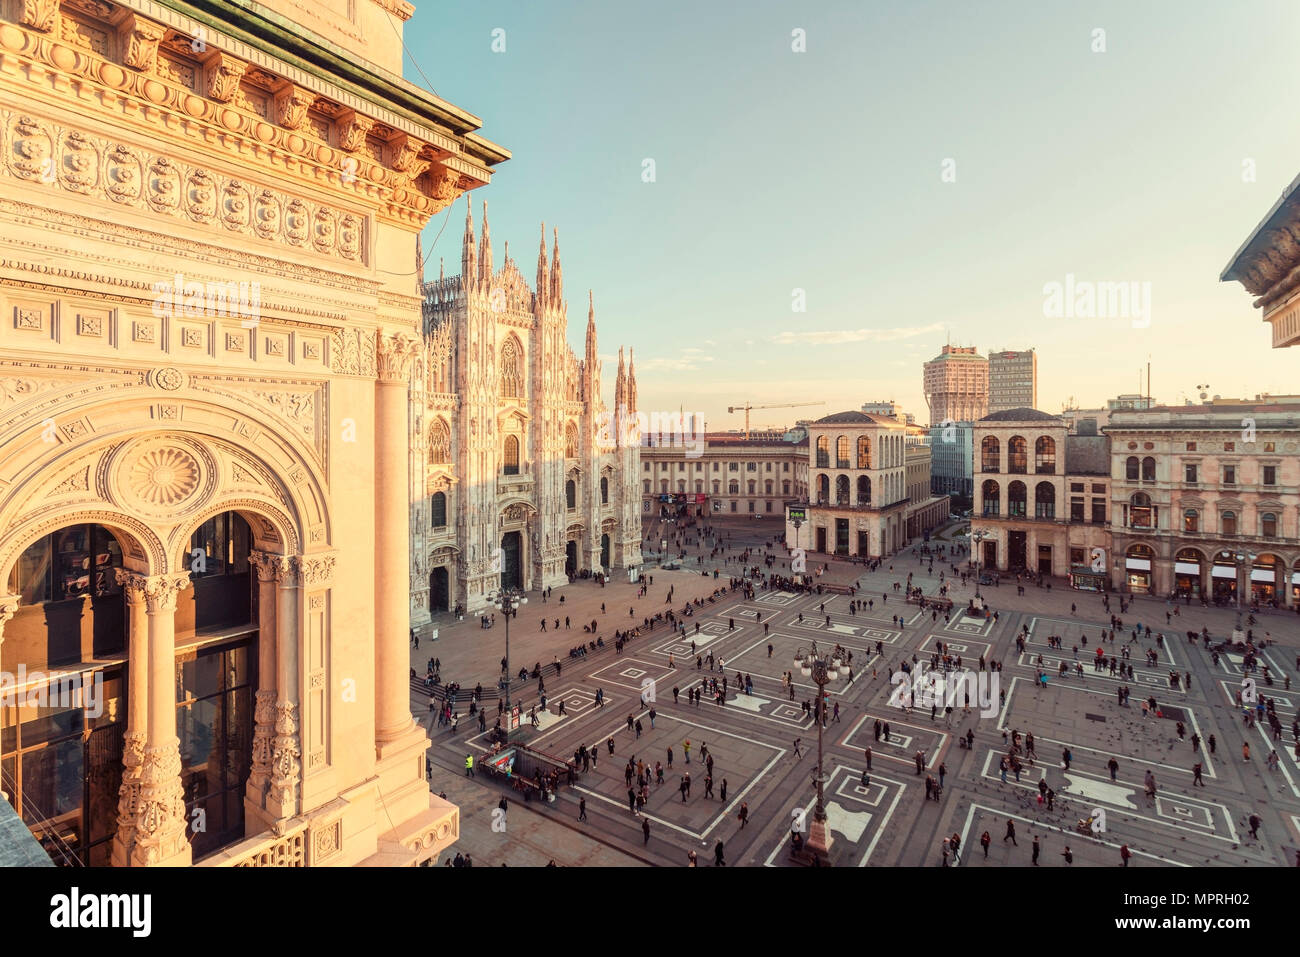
(291, 42)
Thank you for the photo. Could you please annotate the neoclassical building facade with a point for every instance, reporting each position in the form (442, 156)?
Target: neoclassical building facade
(208, 328)
(526, 478)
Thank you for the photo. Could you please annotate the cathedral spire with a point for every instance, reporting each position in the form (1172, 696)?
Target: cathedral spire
(541, 269)
(468, 254)
(620, 386)
(591, 332)
(485, 251)
(631, 379)
(557, 275)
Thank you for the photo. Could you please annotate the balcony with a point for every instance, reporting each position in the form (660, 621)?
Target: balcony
(520, 484)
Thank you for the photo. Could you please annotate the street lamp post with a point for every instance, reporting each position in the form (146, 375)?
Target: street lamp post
(823, 669)
(977, 537)
(507, 601)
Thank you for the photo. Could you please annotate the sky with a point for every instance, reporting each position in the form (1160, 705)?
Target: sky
(820, 223)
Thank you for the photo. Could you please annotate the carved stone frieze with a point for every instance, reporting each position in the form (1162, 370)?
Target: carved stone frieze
(286, 768)
(353, 129)
(160, 820)
(70, 159)
(291, 105)
(222, 74)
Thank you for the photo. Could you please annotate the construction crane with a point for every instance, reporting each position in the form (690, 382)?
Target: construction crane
(747, 406)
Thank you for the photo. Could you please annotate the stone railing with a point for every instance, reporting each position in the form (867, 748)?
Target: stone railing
(265, 850)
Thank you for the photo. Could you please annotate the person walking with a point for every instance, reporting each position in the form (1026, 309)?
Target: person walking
(1196, 775)
(717, 855)
(1255, 822)
(724, 790)
(1124, 855)
(1011, 833)
(985, 841)
(1069, 857)
(469, 765)
(1034, 861)
(686, 750)
(645, 829)
(1113, 765)
(797, 752)
(743, 815)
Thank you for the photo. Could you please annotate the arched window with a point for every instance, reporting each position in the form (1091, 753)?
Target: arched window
(823, 452)
(992, 494)
(1017, 455)
(1017, 496)
(1268, 525)
(571, 493)
(570, 441)
(990, 455)
(823, 489)
(1045, 500)
(1191, 520)
(1228, 523)
(438, 510)
(511, 455)
(512, 364)
(842, 490)
(1045, 455)
(439, 443)
(1131, 468)
(864, 452)
(842, 452)
(864, 490)
(604, 490)
(1148, 469)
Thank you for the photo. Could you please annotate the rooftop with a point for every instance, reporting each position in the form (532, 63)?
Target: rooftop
(1020, 415)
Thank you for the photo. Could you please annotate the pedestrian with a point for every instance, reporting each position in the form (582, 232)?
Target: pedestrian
(724, 790)
(985, 841)
(1245, 752)
(1196, 775)
(1113, 765)
(686, 750)
(743, 815)
(1011, 833)
(1069, 857)
(582, 809)
(797, 752)
(1124, 855)
(717, 855)
(645, 829)
(469, 765)
(631, 800)
(1036, 849)
(1255, 822)
(1212, 743)
(868, 752)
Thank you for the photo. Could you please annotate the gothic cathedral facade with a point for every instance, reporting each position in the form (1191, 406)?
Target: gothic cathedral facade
(523, 478)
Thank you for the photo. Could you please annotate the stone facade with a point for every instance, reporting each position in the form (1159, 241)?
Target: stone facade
(522, 474)
(206, 308)
(730, 475)
(956, 384)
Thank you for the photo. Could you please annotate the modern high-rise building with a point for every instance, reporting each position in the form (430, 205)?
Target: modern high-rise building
(956, 384)
(1013, 380)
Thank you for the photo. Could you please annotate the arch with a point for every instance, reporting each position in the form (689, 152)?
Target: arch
(511, 367)
(842, 490)
(842, 452)
(1148, 469)
(510, 455)
(604, 490)
(1228, 522)
(990, 454)
(1132, 468)
(1017, 499)
(864, 451)
(1268, 524)
(570, 494)
(864, 490)
(1191, 520)
(570, 440)
(823, 452)
(1017, 455)
(439, 442)
(270, 477)
(1045, 455)
(1044, 500)
(823, 488)
(1140, 550)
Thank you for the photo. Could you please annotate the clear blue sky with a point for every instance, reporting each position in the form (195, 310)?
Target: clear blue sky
(821, 171)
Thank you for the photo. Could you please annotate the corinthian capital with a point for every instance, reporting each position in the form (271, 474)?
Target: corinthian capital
(161, 591)
(395, 355)
(8, 608)
(223, 73)
(269, 567)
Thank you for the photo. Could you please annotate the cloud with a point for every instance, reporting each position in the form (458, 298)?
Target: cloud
(832, 337)
(689, 361)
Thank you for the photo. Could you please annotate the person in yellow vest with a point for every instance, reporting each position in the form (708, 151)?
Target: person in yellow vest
(469, 765)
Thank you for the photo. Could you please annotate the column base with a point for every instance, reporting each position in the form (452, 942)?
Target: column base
(419, 838)
(819, 841)
(400, 773)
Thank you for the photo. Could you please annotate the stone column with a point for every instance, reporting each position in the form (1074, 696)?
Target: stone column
(392, 534)
(137, 714)
(160, 822)
(267, 568)
(8, 608)
(286, 766)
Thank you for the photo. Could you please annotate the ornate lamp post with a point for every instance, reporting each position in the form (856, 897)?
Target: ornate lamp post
(977, 536)
(823, 669)
(796, 519)
(507, 601)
